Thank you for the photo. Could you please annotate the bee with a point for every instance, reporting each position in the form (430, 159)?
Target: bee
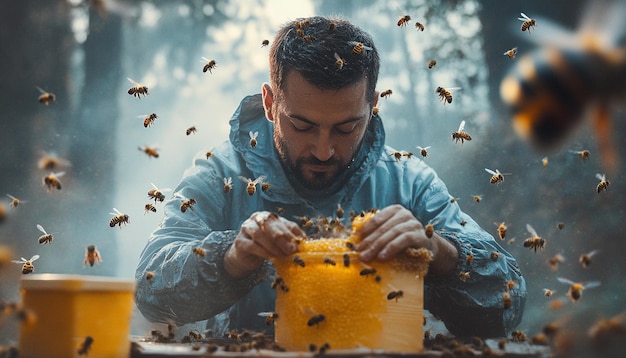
(506, 300)
(464, 276)
(419, 26)
(527, 23)
(423, 151)
(92, 255)
(45, 97)
(511, 53)
(251, 184)
(367, 271)
(27, 265)
(209, 65)
(397, 155)
(148, 119)
(308, 38)
(477, 198)
(469, 258)
(149, 275)
(554, 261)
(603, 184)
(45, 238)
(85, 346)
(118, 218)
(152, 152)
(264, 43)
(495, 255)
(14, 201)
(358, 47)
(270, 317)
(386, 93)
(51, 162)
(460, 135)
(346, 260)
(408, 155)
(339, 62)
(332, 26)
(534, 242)
(149, 207)
(209, 154)
(544, 161)
(575, 292)
(187, 204)
(560, 225)
(253, 140)
(199, 251)
(585, 259)
(510, 284)
(3, 216)
(446, 94)
(432, 64)
(463, 223)
(375, 110)
(137, 90)
(501, 230)
(298, 261)
(404, 20)
(315, 320)
(548, 292)
(339, 212)
(395, 295)
(429, 229)
(228, 184)
(496, 177)
(51, 181)
(157, 194)
(583, 154)
(518, 336)
(190, 130)
(301, 24)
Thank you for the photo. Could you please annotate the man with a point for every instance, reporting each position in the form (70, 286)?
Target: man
(319, 144)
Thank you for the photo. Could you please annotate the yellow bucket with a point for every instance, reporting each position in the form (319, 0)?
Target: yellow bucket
(75, 316)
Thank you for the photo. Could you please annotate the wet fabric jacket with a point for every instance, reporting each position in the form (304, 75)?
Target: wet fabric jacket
(188, 287)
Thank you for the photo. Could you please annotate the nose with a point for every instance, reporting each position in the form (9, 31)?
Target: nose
(323, 147)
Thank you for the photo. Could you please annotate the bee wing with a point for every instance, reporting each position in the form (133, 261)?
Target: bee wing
(11, 196)
(601, 176)
(35, 257)
(58, 174)
(253, 135)
(259, 179)
(133, 81)
(353, 43)
(511, 50)
(564, 280)
(524, 17)
(337, 56)
(116, 212)
(531, 230)
(450, 89)
(265, 314)
(18, 261)
(40, 90)
(461, 126)
(228, 180)
(244, 179)
(591, 284)
(593, 253)
(490, 171)
(204, 59)
(40, 228)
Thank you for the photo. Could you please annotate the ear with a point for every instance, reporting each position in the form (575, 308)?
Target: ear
(376, 96)
(268, 101)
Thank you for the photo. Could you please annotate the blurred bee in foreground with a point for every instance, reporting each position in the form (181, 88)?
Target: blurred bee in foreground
(544, 161)
(27, 265)
(152, 152)
(118, 218)
(569, 76)
(461, 135)
(527, 23)
(404, 20)
(92, 255)
(386, 93)
(15, 202)
(85, 346)
(548, 292)
(585, 259)
(583, 154)
(502, 228)
(138, 89)
(534, 242)
(199, 251)
(149, 207)
(554, 261)
(511, 53)
(445, 95)
(419, 26)
(51, 181)
(251, 184)
(432, 64)
(3, 216)
(270, 317)
(496, 177)
(50, 161)
(209, 65)
(191, 130)
(45, 238)
(253, 138)
(340, 62)
(45, 97)
(157, 194)
(358, 47)
(423, 151)
(228, 184)
(603, 184)
(148, 119)
(265, 43)
(575, 292)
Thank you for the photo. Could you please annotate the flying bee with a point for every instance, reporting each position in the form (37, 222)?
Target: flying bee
(511, 53)
(397, 155)
(585, 259)
(548, 292)
(85, 346)
(510, 284)
(506, 300)
(395, 295)
(460, 135)
(253, 140)
(432, 64)
(228, 184)
(375, 110)
(298, 261)
(137, 90)
(575, 292)
(199, 251)
(404, 20)
(152, 152)
(358, 47)
(534, 242)
(45, 97)
(583, 154)
(209, 65)
(190, 130)
(270, 317)
(496, 177)
(209, 154)
(308, 38)
(265, 186)
(118, 218)
(50, 161)
(386, 93)
(27, 265)
(265, 43)
(51, 181)
(429, 229)
(92, 255)
(544, 161)
(14, 201)
(527, 23)
(501, 230)
(315, 320)
(149, 207)
(477, 198)
(554, 261)
(45, 238)
(419, 26)
(603, 184)
(148, 119)
(187, 204)
(445, 94)
(340, 62)
(560, 225)
(423, 151)
(157, 194)
(251, 184)
(339, 212)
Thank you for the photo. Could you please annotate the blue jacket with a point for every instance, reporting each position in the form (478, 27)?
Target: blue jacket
(187, 287)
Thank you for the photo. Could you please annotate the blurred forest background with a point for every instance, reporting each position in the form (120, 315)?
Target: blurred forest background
(83, 52)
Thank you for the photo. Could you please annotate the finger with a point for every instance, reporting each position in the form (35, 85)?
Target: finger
(405, 231)
(256, 235)
(399, 245)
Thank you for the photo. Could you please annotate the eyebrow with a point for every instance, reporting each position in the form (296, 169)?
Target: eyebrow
(308, 121)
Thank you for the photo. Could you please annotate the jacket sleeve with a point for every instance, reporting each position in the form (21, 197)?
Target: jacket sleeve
(185, 286)
(470, 300)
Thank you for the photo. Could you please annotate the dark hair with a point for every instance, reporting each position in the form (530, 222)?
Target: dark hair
(309, 46)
